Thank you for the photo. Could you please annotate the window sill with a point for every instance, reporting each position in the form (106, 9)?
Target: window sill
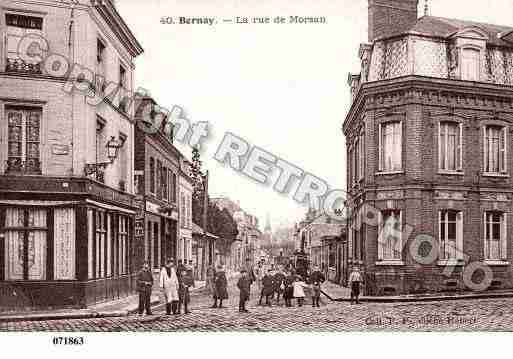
(497, 175)
(384, 173)
(451, 173)
(491, 262)
(390, 263)
(450, 262)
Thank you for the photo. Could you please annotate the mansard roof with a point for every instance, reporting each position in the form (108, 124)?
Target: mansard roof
(444, 28)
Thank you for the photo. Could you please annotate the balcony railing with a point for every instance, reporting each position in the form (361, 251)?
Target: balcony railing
(95, 171)
(20, 66)
(18, 166)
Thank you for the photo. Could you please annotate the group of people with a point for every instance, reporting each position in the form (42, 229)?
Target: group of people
(175, 282)
(279, 283)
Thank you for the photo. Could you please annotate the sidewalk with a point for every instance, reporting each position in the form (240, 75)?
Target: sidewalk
(118, 308)
(338, 293)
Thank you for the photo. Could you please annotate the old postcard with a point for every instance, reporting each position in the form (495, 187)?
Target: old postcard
(255, 166)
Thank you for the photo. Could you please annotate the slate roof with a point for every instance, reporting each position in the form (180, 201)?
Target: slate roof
(443, 27)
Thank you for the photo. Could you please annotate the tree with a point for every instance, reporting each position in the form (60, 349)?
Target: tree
(198, 187)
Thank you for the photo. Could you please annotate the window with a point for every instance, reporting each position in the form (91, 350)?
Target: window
(123, 245)
(165, 184)
(100, 148)
(183, 214)
(101, 240)
(159, 179)
(495, 224)
(451, 234)
(450, 146)
(470, 64)
(172, 187)
(495, 149)
(25, 244)
(390, 147)
(23, 139)
(152, 175)
(389, 240)
(100, 65)
(361, 158)
(123, 162)
(156, 246)
(122, 77)
(19, 26)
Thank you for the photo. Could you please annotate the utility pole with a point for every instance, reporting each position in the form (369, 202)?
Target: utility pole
(205, 211)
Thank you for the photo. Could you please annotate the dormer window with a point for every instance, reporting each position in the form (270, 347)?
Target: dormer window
(470, 64)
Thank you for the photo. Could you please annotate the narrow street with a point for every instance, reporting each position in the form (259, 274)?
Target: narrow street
(464, 315)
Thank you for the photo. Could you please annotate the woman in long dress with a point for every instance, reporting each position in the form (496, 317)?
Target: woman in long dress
(169, 285)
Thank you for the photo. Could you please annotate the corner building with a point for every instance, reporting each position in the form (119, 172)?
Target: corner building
(430, 151)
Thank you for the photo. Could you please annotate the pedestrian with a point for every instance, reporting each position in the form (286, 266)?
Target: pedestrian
(190, 271)
(289, 288)
(144, 286)
(243, 284)
(209, 284)
(279, 284)
(186, 282)
(221, 290)
(355, 280)
(299, 291)
(170, 286)
(259, 274)
(267, 288)
(316, 279)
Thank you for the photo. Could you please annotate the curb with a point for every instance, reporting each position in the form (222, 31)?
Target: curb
(423, 299)
(80, 315)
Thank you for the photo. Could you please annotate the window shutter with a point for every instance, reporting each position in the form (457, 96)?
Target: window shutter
(380, 147)
(441, 241)
(460, 149)
(504, 237)
(380, 236)
(504, 150)
(486, 250)
(399, 147)
(441, 160)
(459, 236)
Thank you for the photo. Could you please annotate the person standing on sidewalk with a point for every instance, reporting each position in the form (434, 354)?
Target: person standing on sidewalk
(243, 284)
(355, 280)
(169, 285)
(288, 294)
(221, 290)
(186, 282)
(144, 286)
(316, 279)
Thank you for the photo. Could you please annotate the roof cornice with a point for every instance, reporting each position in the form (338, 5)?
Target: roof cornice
(111, 16)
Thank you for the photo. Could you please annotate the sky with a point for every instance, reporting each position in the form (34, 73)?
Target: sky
(281, 87)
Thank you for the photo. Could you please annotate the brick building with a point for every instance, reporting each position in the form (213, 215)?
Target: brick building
(429, 151)
(157, 173)
(66, 188)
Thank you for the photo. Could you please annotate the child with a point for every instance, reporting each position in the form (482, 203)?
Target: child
(267, 288)
(299, 292)
(244, 286)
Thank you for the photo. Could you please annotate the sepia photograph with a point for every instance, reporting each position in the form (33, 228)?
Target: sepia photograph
(244, 167)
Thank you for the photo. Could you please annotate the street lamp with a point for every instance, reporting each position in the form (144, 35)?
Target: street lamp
(112, 146)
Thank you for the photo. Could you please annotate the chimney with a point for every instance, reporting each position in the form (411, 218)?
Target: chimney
(391, 17)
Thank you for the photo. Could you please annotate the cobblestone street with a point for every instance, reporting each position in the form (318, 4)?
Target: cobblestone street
(463, 315)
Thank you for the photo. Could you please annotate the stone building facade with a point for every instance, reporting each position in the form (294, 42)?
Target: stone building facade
(429, 154)
(66, 199)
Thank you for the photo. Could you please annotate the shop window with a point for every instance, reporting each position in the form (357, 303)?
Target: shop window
(25, 244)
(123, 245)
